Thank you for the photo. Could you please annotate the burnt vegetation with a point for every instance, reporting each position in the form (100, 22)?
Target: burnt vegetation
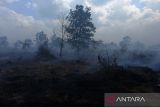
(71, 68)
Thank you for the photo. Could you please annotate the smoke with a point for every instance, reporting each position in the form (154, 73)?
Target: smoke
(130, 53)
(124, 53)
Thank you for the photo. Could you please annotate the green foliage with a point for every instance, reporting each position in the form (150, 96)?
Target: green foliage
(80, 29)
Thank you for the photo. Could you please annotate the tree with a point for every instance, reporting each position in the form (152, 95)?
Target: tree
(62, 22)
(80, 29)
(18, 44)
(43, 52)
(41, 39)
(3, 42)
(27, 43)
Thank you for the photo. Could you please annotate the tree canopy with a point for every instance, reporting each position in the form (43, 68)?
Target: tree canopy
(80, 29)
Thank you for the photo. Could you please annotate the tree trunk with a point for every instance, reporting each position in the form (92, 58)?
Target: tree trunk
(62, 40)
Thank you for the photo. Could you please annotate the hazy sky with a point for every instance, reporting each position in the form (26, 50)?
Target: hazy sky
(114, 19)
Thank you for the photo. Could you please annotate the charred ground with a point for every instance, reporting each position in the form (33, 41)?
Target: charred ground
(73, 83)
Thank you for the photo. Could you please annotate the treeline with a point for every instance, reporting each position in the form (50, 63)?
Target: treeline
(76, 29)
(76, 41)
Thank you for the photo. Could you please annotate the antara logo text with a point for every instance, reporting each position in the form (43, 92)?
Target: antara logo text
(130, 99)
(113, 100)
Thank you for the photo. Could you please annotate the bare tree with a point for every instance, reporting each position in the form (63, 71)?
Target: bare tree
(62, 22)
